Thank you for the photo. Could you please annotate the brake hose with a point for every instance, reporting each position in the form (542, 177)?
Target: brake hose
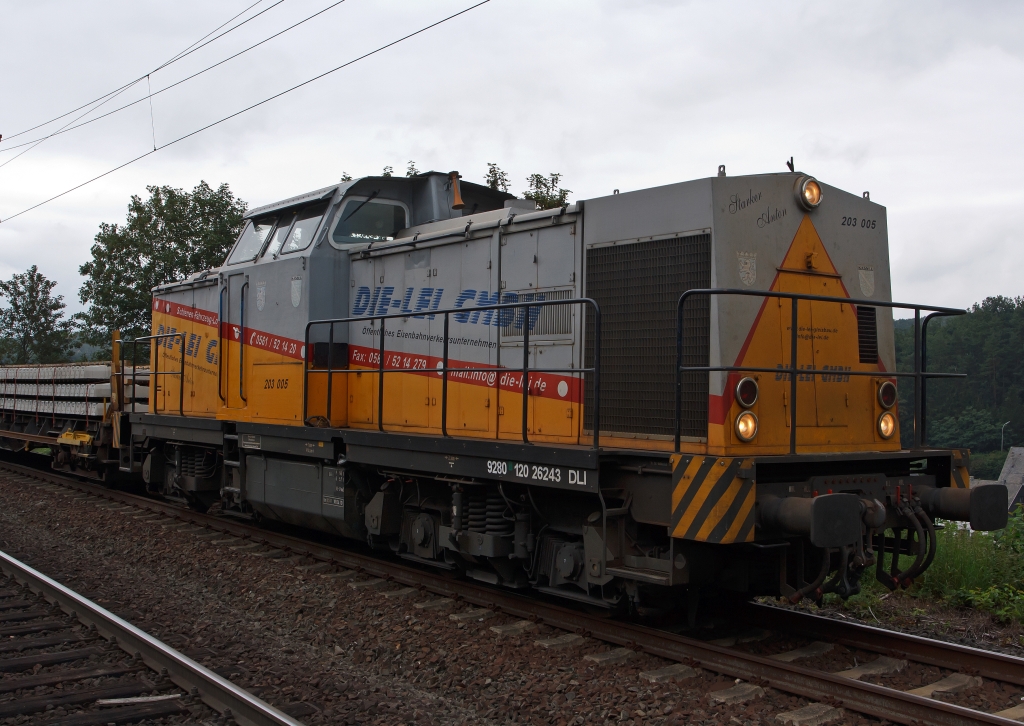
(808, 589)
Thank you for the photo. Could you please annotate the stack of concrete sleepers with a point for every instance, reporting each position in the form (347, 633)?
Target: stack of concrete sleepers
(80, 390)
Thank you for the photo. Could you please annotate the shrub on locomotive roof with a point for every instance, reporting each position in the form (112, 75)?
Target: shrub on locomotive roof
(684, 386)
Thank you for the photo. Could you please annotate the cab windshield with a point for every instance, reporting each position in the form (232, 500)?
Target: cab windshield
(303, 229)
(278, 237)
(252, 239)
(362, 220)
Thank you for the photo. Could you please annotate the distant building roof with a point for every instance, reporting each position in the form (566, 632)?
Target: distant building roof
(1012, 475)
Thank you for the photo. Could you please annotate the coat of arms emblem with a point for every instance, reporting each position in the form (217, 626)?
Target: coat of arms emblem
(296, 291)
(261, 297)
(747, 267)
(867, 281)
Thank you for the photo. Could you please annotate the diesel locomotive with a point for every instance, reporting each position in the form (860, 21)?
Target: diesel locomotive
(629, 399)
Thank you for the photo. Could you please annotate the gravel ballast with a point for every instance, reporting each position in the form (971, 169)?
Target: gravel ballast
(309, 643)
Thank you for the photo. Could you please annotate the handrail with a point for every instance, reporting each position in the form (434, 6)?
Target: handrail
(241, 338)
(445, 368)
(380, 385)
(918, 374)
(444, 379)
(220, 341)
(156, 368)
(924, 366)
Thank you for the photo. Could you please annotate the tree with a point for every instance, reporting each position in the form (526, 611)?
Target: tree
(167, 237)
(411, 170)
(973, 429)
(34, 327)
(496, 178)
(546, 192)
(985, 344)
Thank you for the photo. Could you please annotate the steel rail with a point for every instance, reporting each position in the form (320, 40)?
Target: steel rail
(954, 656)
(866, 698)
(215, 691)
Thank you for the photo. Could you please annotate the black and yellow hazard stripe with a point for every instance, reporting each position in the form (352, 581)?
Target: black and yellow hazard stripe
(710, 503)
(960, 474)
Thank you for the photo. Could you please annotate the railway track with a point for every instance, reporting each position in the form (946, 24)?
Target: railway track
(63, 639)
(828, 691)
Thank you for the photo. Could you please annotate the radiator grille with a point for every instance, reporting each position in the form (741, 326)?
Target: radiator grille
(637, 287)
(550, 320)
(867, 334)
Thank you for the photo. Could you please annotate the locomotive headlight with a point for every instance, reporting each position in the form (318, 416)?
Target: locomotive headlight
(808, 192)
(746, 426)
(886, 425)
(746, 392)
(887, 394)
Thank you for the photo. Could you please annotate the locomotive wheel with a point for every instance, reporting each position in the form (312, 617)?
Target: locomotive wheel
(201, 502)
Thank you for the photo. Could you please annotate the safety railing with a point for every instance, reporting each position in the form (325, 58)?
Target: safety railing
(918, 374)
(527, 317)
(155, 369)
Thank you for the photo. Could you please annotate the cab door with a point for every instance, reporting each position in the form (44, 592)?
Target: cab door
(171, 393)
(233, 378)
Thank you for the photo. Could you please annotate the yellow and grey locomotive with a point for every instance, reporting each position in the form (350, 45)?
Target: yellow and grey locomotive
(685, 387)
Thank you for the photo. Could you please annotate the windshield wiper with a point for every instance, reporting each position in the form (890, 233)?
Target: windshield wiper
(365, 202)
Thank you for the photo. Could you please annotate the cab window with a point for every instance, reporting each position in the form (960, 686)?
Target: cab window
(304, 229)
(252, 239)
(279, 235)
(362, 220)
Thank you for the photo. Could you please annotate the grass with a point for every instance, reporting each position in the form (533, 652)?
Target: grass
(980, 570)
(968, 561)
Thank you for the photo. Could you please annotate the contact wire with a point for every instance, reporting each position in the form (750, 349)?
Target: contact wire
(249, 108)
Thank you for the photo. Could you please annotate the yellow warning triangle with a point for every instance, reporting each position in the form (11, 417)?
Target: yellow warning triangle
(806, 252)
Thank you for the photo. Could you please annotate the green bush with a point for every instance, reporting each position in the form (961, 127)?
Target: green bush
(999, 557)
(981, 570)
(1006, 602)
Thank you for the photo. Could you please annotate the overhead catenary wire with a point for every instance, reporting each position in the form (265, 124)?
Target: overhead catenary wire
(152, 119)
(249, 108)
(68, 129)
(193, 47)
(118, 93)
(178, 56)
(33, 144)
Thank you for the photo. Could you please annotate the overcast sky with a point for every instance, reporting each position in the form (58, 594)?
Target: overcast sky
(920, 103)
